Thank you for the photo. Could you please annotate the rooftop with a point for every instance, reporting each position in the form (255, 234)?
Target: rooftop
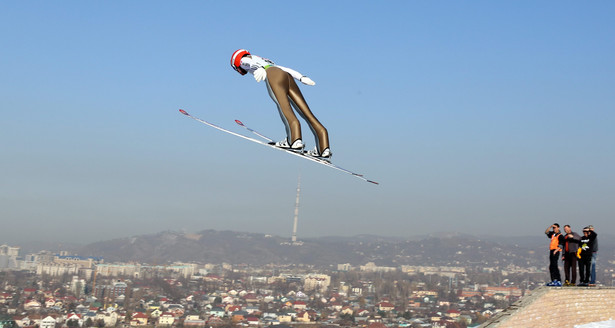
(557, 307)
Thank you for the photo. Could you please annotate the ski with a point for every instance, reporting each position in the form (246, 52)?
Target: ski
(304, 154)
(272, 142)
(298, 154)
(258, 134)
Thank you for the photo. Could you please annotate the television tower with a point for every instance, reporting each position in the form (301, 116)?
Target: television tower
(294, 236)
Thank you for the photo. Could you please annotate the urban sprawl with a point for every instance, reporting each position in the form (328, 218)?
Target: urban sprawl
(49, 290)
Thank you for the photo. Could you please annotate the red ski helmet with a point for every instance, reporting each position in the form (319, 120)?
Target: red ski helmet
(236, 60)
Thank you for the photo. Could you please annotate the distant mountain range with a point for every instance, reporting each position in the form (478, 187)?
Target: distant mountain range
(211, 246)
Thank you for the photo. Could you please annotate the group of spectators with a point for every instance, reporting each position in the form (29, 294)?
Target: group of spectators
(574, 250)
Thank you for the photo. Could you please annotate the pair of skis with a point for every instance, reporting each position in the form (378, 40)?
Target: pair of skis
(268, 142)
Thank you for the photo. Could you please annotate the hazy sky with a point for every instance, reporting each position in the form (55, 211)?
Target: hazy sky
(475, 116)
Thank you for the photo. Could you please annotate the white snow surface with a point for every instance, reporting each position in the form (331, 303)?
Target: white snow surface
(601, 324)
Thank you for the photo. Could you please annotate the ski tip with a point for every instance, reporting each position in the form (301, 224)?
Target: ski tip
(239, 122)
(183, 112)
(374, 182)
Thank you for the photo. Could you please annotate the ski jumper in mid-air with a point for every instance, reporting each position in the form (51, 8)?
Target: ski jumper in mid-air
(285, 93)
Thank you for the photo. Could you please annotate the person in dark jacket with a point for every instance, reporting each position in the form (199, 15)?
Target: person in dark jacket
(571, 245)
(592, 279)
(586, 246)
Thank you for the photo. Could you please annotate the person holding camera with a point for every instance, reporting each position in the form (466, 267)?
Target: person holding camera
(571, 245)
(585, 255)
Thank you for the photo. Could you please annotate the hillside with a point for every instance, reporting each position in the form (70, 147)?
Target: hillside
(210, 246)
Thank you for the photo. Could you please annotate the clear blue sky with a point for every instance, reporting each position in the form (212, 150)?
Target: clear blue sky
(476, 116)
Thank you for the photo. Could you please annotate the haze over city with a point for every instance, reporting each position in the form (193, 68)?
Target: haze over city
(476, 117)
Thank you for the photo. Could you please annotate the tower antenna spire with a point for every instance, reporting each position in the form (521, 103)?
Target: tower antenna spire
(294, 236)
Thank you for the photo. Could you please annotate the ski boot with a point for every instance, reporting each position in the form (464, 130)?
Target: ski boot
(296, 146)
(326, 154)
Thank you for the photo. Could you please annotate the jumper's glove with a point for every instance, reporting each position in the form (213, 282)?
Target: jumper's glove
(306, 80)
(579, 253)
(260, 74)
